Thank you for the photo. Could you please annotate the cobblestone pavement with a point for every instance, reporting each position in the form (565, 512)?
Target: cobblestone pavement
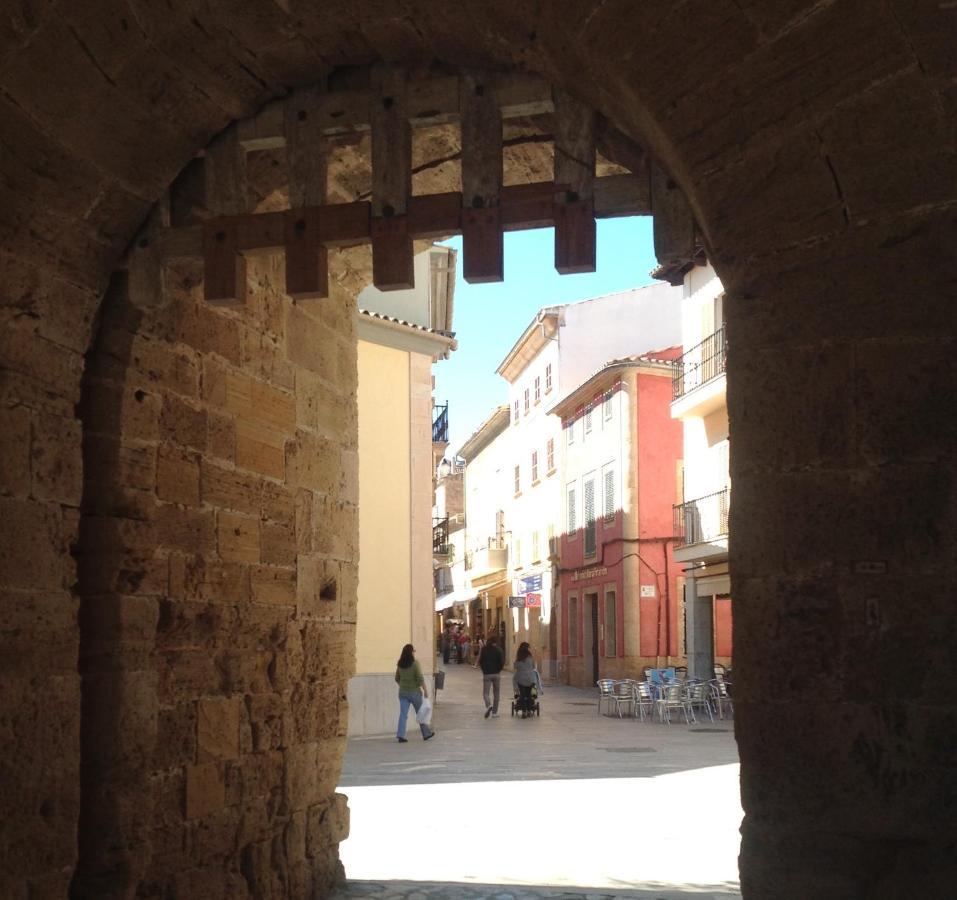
(611, 807)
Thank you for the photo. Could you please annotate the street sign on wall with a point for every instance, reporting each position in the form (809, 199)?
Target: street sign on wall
(516, 603)
(533, 600)
(531, 584)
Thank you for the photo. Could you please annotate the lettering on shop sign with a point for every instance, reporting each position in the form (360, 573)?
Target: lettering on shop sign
(582, 574)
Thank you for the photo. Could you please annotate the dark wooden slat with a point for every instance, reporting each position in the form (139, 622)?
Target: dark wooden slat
(482, 241)
(435, 215)
(225, 175)
(392, 260)
(391, 180)
(673, 219)
(574, 166)
(307, 269)
(224, 281)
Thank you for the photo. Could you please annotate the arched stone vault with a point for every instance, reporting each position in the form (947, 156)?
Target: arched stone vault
(815, 144)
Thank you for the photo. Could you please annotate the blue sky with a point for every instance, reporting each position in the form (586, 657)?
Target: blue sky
(488, 318)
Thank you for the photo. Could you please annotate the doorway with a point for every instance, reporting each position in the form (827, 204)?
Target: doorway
(590, 643)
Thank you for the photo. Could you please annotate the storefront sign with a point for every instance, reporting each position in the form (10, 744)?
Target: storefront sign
(583, 574)
(516, 603)
(648, 590)
(533, 600)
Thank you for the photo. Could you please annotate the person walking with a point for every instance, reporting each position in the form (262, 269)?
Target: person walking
(491, 661)
(524, 677)
(446, 643)
(412, 690)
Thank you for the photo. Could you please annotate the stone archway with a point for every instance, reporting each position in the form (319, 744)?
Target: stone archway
(814, 143)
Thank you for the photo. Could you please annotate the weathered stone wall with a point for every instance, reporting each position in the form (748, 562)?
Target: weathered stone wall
(816, 144)
(217, 580)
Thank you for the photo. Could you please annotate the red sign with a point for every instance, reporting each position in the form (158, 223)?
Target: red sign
(533, 600)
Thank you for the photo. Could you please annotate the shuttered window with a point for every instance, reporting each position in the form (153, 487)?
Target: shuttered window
(609, 486)
(589, 516)
(572, 507)
(534, 466)
(550, 455)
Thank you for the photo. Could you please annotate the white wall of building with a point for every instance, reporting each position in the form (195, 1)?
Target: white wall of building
(421, 305)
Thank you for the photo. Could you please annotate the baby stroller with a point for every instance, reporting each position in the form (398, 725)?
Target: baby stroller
(534, 708)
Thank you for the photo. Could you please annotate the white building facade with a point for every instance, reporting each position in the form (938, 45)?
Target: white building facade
(701, 519)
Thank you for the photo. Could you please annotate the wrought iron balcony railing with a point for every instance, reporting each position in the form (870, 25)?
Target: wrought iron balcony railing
(700, 364)
(702, 520)
(440, 535)
(440, 424)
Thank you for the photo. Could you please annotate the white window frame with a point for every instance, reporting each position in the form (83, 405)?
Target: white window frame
(518, 480)
(606, 517)
(548, 378)
(607, 407)
(536, 546)
(515, 415)
(538, 390)
(570, 433)
(534, 467)
(528, 401)
(550, 456)
(592, 479)
(587, 428)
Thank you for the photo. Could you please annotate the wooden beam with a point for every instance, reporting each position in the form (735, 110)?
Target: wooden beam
(574, 166)
(482, 241)
(392, 264)
(226, 195)
(673, 219)
(430, 101)
(307, 266)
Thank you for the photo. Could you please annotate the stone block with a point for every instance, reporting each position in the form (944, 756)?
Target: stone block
(221, 436)
(269, 723)
(271, 584)
(184, 423)
(311, 772)
(127, 410)
(182, 529)
(238, 537)
(177, 475)
(216, 582)
(313, 462)
(230, 489)
(30, 545)
(245, 671)
(317, 586)
(310, 344)
(254, 401)
(327, 824)
(15, 451)
(260, 449)
(161, 365)
(217, 728)
(37, 629)
(176, 738)
(191, 321)
(263, 357)
(278, 502)
(56, 459)
(279, 543)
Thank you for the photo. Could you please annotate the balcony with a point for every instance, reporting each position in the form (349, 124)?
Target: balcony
(488, 559)
(697, 381)
(440, 536)
(702, 526)
(440, 424)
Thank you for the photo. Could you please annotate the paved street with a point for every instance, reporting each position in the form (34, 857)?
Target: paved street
(603, 808)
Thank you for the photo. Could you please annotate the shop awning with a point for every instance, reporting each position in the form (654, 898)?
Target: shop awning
(450, 598)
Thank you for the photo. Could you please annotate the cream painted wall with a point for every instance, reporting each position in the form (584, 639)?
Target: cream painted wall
(385, 551)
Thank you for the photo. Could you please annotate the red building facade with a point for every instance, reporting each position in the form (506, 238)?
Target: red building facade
(618, 586)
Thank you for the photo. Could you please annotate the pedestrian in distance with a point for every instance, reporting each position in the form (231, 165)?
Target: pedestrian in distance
(446, 644)
(478, 645)
(412, 691)
(491, 661)
(524, 678)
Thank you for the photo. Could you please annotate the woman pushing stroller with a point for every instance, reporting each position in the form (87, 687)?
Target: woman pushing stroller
(524, 678)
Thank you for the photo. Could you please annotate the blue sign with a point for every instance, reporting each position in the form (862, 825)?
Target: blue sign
(532, 584)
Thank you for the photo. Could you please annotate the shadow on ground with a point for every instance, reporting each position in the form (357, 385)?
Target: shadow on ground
(432, 890)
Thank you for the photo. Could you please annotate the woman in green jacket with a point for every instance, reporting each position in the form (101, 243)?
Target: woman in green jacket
(412, 688)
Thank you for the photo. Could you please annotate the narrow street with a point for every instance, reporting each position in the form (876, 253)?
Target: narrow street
(567, 804)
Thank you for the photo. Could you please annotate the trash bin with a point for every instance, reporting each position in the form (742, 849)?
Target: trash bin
(439, 680)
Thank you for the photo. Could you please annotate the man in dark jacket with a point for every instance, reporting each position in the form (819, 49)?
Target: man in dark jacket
(491, 661)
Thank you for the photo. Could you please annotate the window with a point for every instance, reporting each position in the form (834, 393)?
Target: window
(538, 390)
(611, 623)
(550, 455)
(571, 505)
(552, 547)
(608, 489)
(588, 420)
(515, 413)
(518, 553)
(548, 378)
(572, 626)
(536, 547)
(518, 480)
(527, 401)
(607, 407)
(591, 546)
(570, 432)
(534, 466)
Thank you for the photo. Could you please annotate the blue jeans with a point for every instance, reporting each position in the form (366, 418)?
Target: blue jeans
(413, 699)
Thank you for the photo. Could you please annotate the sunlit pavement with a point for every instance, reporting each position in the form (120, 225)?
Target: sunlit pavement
(568, 804)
